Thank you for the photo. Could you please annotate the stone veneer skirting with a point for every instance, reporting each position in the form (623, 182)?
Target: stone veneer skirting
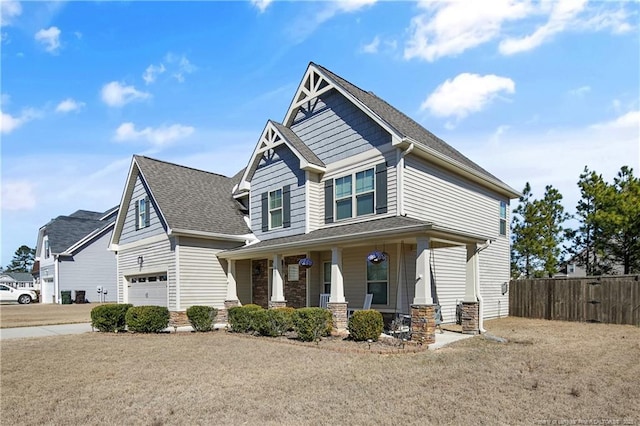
(339, 314)
(423, 324)
(470, 316)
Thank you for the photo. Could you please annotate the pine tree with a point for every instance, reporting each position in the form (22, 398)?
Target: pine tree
(525, 228)
(551, 217)
(22, 260)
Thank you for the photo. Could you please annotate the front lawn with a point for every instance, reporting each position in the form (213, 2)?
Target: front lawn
(550, 371)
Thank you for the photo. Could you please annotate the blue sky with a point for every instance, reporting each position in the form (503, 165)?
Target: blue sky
(532, 91)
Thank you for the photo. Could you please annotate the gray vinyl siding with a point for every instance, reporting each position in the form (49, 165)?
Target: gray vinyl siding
(202, 276)
(94, 265)
(435, 195)
(283, 168)
(392, 181)
(129, 231)
(243, 281)
(158, 257)
(336, 129)
(316, 202)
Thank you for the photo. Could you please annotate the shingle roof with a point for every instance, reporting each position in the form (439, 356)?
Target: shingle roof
(192, 199)
(402, 123)
(65, 231)
(86, 214)
(297, 143)
(388, 224)
(20, 276)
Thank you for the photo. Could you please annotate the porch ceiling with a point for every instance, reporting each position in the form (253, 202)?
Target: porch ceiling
(390, 229)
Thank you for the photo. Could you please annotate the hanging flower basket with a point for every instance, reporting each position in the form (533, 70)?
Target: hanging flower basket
(305, 262)
(376, 257)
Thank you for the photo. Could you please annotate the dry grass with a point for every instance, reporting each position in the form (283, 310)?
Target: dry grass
(548, 371)
(44, 314)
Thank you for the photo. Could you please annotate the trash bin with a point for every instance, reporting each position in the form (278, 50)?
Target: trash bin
(80, 296)
(66, 297)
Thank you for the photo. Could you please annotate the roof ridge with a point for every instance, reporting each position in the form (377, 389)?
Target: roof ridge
(181, 166)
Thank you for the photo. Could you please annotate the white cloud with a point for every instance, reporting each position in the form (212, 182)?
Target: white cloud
(450, 28)
(261, 4)
(50, 38)
(160, 136)
(69, 105)
(465, 94)
(630, 120)
(9, 123)
(373, 46)
(182, 64)
(562, 15)
(305, 25)
(115, 94)
(616, 21)
(152, 72)
(18, 195)
(580, 91)
(9, 9)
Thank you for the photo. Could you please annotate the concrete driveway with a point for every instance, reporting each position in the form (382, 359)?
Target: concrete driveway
(44, 331)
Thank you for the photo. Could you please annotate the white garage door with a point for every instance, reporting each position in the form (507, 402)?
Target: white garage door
(148, 290)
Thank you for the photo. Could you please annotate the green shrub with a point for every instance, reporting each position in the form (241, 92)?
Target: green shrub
(110, 317)
(202, 318)
(312, 323)
(272, 322)
(240, 318)
(147, 319)
(365, 325)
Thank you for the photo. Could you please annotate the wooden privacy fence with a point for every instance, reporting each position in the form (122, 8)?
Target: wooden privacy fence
(607, 299)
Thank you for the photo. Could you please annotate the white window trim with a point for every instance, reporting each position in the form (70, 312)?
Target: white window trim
(354, 195)
(366, 290)
(506, 214)
(281, 208)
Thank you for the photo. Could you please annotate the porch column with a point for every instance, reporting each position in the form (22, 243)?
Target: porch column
(337, 303)
(423, 273)
(277, 284)
(423, 313)
(232, 293)
(470, 306)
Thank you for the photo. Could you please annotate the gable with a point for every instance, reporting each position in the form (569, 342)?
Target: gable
(153, 224)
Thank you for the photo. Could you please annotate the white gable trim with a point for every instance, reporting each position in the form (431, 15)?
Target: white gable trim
(270, 139)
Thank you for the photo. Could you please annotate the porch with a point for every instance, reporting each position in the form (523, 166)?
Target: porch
(406, 280)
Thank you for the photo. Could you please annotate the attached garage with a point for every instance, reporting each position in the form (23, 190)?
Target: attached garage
(148, 289)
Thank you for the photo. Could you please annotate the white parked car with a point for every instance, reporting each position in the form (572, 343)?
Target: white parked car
(10, 294)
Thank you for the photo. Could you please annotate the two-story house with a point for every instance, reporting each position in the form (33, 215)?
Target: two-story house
(347, 196)
(72, 255)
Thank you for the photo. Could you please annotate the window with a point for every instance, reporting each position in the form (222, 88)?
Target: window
(326, 277)
(571, 268)
(377, 282)
(275, 209)
(47, 249)
(503, 218)
(361, 200)
(142, 213)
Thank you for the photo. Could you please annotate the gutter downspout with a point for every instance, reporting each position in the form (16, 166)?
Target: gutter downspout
(400, 173)
(56, 278)
(478, 295)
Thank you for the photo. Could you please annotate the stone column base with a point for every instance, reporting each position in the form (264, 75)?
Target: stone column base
(423, 324)
(279, 304)
(470, 316)
(339, 314)
(223, 314)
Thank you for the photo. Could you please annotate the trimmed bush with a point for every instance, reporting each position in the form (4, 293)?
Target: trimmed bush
(202, 318)
(365, 325)
(241, 318)
(109, 318)
(147, 319)
(272, 322)
(312, 323)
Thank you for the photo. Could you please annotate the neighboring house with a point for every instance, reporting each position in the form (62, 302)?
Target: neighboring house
(72, 255)
(173, 222)
(576, 266)
(18, 280)
(345, 177)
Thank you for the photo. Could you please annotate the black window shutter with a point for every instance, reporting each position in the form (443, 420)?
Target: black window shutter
(265, 212)
(286, 206)
(328, 201)
(147, 212)
(381, 188)
(136, 219)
